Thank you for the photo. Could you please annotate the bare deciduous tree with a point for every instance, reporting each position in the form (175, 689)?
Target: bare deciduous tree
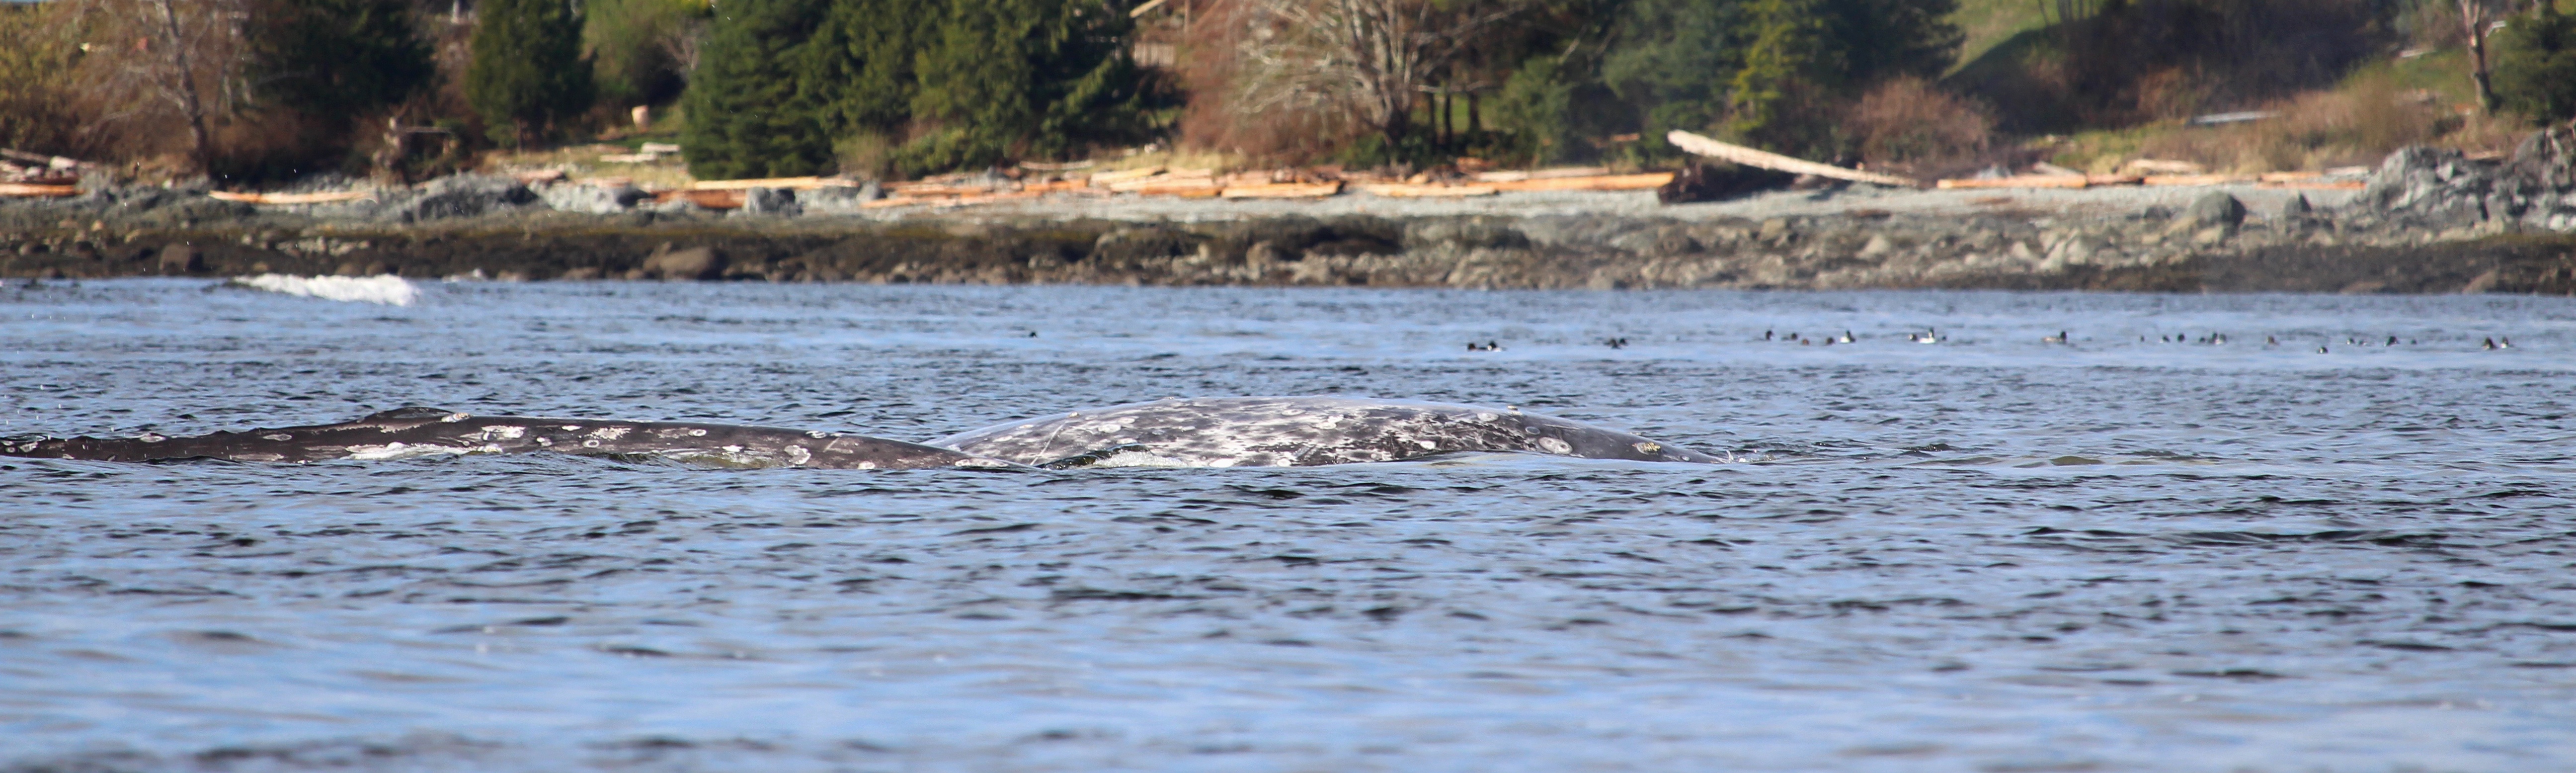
(2477, 18)
(1366, 59)
(160, 62)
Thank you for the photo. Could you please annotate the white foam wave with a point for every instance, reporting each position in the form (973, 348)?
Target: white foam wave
(382, 288)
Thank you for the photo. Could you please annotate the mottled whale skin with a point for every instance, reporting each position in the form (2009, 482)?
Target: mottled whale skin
(412, 432)
(1295, 432)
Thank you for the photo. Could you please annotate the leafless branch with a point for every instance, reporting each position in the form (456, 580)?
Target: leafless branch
(1365, 59)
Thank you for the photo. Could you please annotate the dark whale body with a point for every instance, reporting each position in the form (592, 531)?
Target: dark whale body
(1295, 432)
(410, 432)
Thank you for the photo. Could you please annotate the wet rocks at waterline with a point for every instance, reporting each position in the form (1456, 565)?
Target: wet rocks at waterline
(2421, 226)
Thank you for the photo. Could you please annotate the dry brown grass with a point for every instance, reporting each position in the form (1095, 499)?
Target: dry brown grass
(2355, 125)
(2358, 123)
(2133, 63)
(36, 93)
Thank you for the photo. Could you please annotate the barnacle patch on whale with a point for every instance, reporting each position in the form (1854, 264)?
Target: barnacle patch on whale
(1295, 432)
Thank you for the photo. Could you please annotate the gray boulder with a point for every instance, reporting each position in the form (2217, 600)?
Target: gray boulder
(464, 195)
(699, 263)
(2534, 188)
(2538, 185)
(839, 200)
(2439, 186)
(676, 205)
(182, 259)
(2216, 209)
(770, 201)
(2295, 208)
(591, 199)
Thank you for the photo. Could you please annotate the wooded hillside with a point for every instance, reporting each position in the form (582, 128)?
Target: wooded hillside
(251, 90)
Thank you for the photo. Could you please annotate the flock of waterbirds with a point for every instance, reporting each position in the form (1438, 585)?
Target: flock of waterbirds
(2063, 338)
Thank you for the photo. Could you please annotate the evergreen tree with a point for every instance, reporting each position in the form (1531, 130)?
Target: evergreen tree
(1790, 69)
(751, 107)
(336, 59)
(1767, 71)
(1674, 62)
(975, 81)
(1539, 101)
(1022, 77)
(528, 74)
(859, 65)
(2537, 74)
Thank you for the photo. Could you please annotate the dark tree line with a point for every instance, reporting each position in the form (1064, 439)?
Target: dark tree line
(939, 85)
(908, 87)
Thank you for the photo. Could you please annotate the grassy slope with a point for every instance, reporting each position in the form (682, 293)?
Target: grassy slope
(1991, 22)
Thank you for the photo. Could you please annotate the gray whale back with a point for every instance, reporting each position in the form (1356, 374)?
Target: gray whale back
(412, 432)
(1295, 432)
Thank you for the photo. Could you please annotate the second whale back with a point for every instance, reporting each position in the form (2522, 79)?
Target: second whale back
(1295, 432)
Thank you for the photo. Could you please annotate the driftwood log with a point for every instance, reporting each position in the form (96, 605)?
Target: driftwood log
(1749, 157)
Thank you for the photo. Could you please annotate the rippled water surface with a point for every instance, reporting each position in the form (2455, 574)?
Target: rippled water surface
(1989, 554)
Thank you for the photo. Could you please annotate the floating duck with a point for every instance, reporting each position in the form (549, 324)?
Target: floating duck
(2488, 344)
(2055, 339)
(1847, 337)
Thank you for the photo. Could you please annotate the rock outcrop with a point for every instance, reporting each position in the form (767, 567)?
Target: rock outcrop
(2533, 189)
(458, 196)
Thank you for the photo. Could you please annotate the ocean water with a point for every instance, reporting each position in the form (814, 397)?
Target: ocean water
(2144, 549)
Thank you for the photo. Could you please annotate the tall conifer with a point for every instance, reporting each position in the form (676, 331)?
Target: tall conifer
(528, 74)
(336, 59)
(859, 66)
(1025, 77)
(750, 106)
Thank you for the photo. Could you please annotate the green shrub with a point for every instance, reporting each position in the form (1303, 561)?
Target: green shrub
(636, 47)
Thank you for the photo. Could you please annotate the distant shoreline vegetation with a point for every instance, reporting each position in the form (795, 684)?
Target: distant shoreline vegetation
(251, 91)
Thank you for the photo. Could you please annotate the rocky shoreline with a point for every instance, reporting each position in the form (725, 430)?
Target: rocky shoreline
(2429, 221)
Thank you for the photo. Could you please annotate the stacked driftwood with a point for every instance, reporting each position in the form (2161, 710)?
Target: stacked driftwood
(25, 175)
(2164, 172)
(1029, 181)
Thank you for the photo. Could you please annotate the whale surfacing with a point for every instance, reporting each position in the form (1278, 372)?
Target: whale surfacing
(1295, 432)
(413, 432)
